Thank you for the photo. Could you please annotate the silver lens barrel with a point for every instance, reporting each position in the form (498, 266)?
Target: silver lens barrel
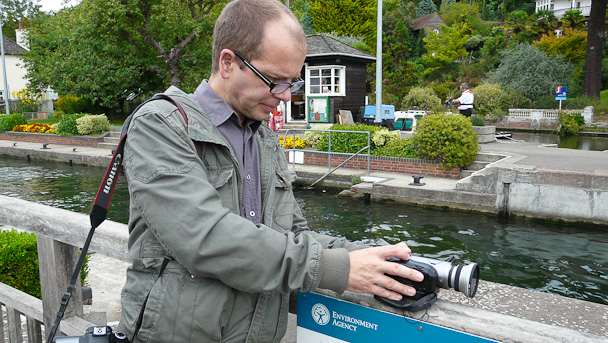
(463, 278)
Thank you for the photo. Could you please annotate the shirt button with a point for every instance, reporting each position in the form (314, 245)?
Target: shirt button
(192, 276)
(252, 213)
(248, 177)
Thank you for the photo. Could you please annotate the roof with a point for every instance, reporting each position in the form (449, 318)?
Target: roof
(421, 22)
(11, 48)
(320, 45)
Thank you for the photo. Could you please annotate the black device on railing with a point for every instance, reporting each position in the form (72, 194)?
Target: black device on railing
(437, 274)
(95, 334)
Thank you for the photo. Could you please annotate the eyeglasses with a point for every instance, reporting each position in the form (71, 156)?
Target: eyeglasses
(275, 88)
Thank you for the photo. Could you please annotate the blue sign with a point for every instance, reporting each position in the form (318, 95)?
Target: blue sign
(329, 320)
(560, 93)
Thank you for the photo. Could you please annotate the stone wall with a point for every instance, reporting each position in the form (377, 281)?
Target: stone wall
(387, 164)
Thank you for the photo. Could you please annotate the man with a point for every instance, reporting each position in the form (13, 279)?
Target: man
(465, 101)
(216, 196)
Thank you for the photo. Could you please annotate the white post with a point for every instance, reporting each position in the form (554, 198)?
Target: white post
(5, 95)
(379, 64)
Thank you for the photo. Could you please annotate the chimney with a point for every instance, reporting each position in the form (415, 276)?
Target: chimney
(21, 36)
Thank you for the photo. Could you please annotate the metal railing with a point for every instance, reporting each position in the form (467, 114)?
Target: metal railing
(329, 152)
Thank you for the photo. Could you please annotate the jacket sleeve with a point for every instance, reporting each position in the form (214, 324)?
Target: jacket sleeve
(184, 212)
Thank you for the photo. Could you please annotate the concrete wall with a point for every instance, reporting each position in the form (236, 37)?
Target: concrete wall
(549, 194)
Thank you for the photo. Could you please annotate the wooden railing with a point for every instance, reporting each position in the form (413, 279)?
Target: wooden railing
(59, 234)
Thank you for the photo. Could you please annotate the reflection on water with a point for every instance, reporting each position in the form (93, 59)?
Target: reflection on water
(562, 259)
(567, 142)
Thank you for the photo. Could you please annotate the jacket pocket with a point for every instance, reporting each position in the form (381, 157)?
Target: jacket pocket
(283, 199)
(222, 179)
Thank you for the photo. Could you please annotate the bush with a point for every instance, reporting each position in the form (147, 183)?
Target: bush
(531, 72)
(314, 137)
(92, 124)
(476, 121)
(70, 105)
(490, 97)
(19, 262)
(570, 124)
(9, 121)
(383, 136)
(348, 142)
(402, 147)
(420, 97)
(67, 125)
(447, 138)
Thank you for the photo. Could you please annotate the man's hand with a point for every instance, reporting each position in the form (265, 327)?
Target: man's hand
(368, 266)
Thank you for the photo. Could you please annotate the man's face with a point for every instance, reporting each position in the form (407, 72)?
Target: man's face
(282, 61)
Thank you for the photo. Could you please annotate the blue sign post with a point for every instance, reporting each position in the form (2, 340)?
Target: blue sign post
(560, 94)
(329, 320)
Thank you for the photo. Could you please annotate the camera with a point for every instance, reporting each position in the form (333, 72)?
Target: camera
(437, 274)
(96, 334)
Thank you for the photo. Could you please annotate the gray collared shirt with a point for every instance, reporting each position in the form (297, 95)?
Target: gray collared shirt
(243, 145)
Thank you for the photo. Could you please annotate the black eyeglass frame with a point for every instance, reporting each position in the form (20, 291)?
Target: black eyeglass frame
(294, 86)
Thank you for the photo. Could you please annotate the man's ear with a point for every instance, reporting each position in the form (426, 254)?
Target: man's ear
(227, 63)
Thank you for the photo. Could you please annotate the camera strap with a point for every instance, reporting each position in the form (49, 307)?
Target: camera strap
(406, 304)
(99, 211)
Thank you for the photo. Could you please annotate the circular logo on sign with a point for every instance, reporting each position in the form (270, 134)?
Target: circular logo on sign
(320, 314)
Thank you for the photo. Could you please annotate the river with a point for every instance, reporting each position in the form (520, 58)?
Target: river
(570, 260)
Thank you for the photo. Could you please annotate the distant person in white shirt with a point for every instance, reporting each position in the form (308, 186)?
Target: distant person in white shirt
(465, 101)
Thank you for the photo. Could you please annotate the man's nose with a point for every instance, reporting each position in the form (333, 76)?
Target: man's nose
(285, 95)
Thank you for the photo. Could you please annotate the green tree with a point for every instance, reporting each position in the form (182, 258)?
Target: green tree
(307, 22)
(518, 26)
(595, 45)
(573, 19)
(425, 7)
(544, 22)
(572, 45)
(104, 51)
(14, 11)
(346, 17)
(531, 72)
(445, 47)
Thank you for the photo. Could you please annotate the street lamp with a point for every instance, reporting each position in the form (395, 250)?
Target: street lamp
(379, 64)
(5, 92)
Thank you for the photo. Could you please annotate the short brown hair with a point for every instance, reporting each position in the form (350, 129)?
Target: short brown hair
(240, 27)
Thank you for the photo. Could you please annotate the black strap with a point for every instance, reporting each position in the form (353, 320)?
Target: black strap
(99, 210)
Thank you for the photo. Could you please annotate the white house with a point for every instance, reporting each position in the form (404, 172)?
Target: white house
(15, 72)
(559, 7)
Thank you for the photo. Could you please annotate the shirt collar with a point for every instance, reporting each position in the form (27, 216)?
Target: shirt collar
(216, 108)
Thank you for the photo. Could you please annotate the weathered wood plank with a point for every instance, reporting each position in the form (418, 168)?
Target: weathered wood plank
(110, 238)
(34, 331)
(14, 325)
(56, 262)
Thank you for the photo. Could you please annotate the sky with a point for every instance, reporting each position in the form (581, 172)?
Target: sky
(54, 5)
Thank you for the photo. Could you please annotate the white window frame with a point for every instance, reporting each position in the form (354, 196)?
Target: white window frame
(316, 74)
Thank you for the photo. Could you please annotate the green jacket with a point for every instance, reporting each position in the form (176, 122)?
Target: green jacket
(230, 280)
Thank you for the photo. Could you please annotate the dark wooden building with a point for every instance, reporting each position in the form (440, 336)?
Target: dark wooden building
(334, 74)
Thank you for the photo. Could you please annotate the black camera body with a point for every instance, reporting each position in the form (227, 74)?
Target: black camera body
(95, 334)
(437, 274)
(430, 283)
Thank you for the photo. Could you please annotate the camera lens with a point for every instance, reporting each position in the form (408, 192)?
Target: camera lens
(465, 279)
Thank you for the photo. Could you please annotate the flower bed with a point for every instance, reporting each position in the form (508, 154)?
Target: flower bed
(51, 138)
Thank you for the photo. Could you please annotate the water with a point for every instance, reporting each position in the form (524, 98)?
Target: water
(567, 142)
(568, 260)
